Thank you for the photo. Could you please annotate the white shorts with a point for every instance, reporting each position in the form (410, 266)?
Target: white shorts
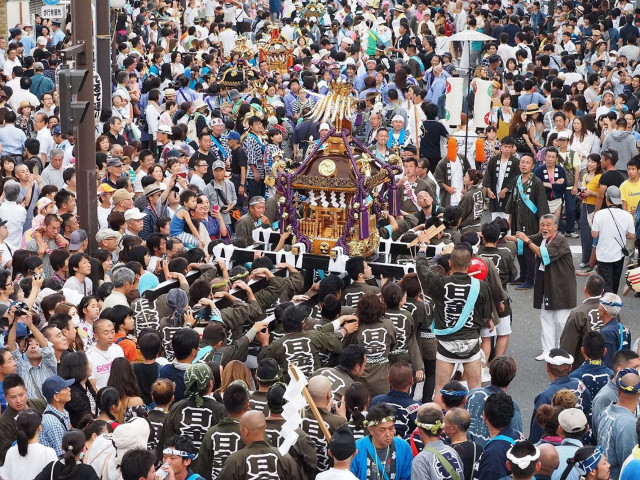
(485, 333)
(503, 328)
(554, 204)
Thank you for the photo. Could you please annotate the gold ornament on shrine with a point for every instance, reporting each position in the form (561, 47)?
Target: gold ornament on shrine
(314, 10)
(276, 52)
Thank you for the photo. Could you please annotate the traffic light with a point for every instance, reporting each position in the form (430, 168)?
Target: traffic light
(69, 82)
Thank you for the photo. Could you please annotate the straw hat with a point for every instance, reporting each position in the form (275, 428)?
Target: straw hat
(533, 108)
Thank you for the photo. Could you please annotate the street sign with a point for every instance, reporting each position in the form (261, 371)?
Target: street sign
(97, 95)
(51, 2)
(52, 12)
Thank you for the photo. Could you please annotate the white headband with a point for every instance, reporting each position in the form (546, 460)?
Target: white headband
(558, 360)
(523, 462)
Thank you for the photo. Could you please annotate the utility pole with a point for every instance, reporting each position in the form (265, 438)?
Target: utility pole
(103, 55)
(78, 113)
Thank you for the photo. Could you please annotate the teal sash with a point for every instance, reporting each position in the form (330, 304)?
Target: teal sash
(373, 456)
(544, 253)
(466, 311)
(201, 354)
(262, 147)
(503, 438)
(527, 201)
(417, 59)
(520, 245)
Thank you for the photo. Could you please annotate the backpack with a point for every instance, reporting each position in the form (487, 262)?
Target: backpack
(192, 131)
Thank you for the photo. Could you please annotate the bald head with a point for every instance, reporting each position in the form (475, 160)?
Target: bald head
(629, 380)
(252, 426)
(549, 460)
(320, 390)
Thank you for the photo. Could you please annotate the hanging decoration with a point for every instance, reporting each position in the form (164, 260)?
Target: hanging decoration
(453, 100)
(482, 103)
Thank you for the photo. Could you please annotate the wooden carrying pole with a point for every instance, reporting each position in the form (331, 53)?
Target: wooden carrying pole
(311, 403)
(427, 235)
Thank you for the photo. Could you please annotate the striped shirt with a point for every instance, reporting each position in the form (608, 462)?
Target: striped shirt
(34, 376)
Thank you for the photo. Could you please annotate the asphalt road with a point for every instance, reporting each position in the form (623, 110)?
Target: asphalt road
(524, 344)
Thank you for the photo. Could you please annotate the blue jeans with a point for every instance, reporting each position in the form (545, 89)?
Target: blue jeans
(569, 224)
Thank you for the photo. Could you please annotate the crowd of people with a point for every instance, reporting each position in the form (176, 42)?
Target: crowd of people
(105, 373)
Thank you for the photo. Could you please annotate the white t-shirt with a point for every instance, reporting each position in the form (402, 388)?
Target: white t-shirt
(16, 467)
(84, 289)
(7, 253)
(613, 225)
(335, 474)
(101, 363)
(103, 216)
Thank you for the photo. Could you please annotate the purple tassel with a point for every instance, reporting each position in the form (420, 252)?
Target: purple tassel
(282, 220)
(394, 200)
(364, 222)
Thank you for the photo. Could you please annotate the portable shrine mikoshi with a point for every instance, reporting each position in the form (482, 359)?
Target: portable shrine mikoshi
(276, 52)
(339, 190)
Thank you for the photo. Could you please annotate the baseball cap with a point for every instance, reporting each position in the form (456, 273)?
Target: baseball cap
(114, 162)
(174, 153)
(120, 195)
(55, 384)
(218, 164)
(151, 190)
(43, 202)
(76, 238)
(324, 126)
(21, 328)
(41, 41)
(134, 214)
(563, 135)
(233, 135)
(103, 188)
(164, 129)
(572, 420)
(614, 195)
(38, 66)
(57, 131)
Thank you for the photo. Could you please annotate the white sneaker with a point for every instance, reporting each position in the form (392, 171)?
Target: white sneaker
(541, 357)
(485, 377)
